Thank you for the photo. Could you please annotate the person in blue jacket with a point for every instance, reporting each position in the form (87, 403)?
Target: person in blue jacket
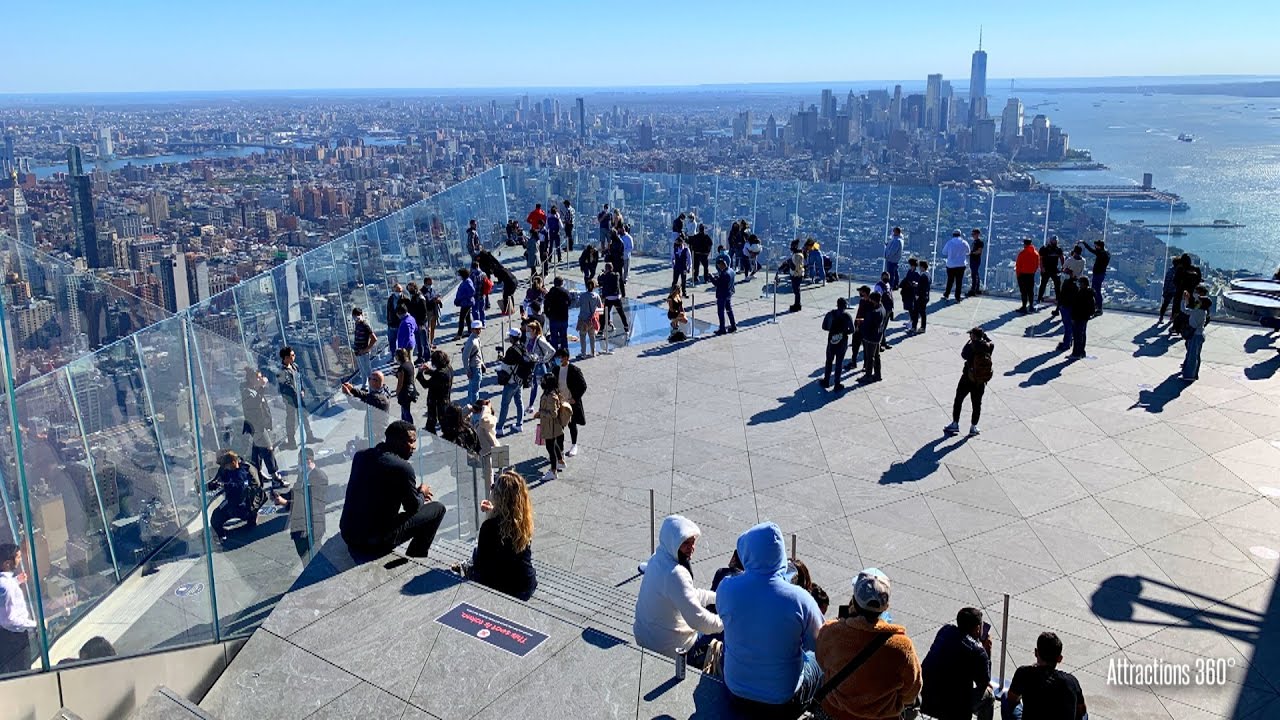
(770, 630)
(724, 282)
(464, 299)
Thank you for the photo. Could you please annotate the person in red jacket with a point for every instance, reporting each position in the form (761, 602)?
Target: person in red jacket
(537, 219)
(1025, 266)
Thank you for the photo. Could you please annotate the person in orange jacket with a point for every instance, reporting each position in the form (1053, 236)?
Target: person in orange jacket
(1025, 266)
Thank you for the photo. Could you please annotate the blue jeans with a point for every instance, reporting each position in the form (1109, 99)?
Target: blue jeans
(1067, 326)
(511, 391)
(892, 269)
(473, 386)
(558, 333)
(814, 266)
(477, 312)
(974, 265)
(724, 305)
(539, 372)
(364, 365)
(1191, 365)
(420, 342)
(1098, 277)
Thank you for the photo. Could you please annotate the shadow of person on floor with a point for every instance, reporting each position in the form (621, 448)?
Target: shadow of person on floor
(1154, 400)
(1264, 370)
(807, 398)
(1153, 341)
(924, 462)
(1031, 363)
(1046, 375)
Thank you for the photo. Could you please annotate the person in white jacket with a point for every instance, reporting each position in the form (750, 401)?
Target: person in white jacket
(486, 427)
(671, 613)
(957, 253)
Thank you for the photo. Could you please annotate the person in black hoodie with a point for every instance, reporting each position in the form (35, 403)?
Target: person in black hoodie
(839, 327)
(385, 505)
(701, 245)
(1082, 310)
(437, 377)
(498, 272)
(957, 671)
(588, 262)
(556, 308)
(611, 294)
(973, 379)
(503, 558)
(418, 309)
(1101, 259)
(393, 318)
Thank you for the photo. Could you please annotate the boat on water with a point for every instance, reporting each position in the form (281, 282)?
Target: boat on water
(1184, 137)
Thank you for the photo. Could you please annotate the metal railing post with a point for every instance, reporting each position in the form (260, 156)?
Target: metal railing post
(793, 547)
(653, 529)
(1004, 639)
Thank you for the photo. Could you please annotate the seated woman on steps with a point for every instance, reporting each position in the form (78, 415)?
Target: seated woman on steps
(503, 558)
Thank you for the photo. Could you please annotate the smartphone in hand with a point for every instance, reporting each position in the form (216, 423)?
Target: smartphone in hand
(986, 630)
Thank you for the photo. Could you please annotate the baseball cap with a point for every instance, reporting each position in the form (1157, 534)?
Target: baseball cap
(513, 333)
(476, 325)
(871, 590)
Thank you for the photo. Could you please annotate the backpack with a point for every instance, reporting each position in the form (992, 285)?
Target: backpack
(982, 370)
(486, 285)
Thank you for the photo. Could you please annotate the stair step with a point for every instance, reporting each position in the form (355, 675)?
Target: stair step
(165, 704)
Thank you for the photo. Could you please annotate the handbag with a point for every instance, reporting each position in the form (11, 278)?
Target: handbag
(537, 434)
(876, 643)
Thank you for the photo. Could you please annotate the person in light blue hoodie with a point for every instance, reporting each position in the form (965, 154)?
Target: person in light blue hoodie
(770, 629)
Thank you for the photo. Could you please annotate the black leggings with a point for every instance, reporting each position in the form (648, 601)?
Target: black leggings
(1026, 286)
(1045, 278)
(555, 450)
(609, 305)
(972, 389)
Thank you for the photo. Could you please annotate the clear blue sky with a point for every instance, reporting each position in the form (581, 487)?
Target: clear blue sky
(138, 45)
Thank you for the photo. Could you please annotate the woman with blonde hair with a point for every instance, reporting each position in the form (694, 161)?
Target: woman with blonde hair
(503, 558)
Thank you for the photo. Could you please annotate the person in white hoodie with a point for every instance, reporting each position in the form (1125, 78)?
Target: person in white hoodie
(957, 253)
(671, 613)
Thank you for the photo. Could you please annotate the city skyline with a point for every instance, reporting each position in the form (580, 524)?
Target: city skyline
(686, 45)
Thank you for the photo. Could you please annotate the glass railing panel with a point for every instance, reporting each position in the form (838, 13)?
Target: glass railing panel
(331, 315)
(915, 210)
(775, 218)
(651, 219)
(1017, 216)
(297, 310)
(592, 194)
(818, 216)
(698, 202)
(14, 528)
(736, 202)
(260, 317)
(965, 210)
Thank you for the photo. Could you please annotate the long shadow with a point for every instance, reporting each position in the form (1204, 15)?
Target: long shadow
(1046, 375)
(807, 398)
(1031, 363)
(1153, 341)
(923, 462)
(1263, 370)
(1155, 399)
(1044, 329)
(1000, 320)
(1119, 597)
(670, 347)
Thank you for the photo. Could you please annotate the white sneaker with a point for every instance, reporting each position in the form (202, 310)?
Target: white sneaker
(548, 475)
(560, 468)
(951, 429)
(572, 451)
(975, 430)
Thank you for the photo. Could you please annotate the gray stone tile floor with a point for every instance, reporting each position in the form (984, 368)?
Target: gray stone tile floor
(1133, 514)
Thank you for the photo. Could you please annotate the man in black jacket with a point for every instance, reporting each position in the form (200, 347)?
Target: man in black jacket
(701, 245)
(839, 327)
(396, 297)
(957, 671)
(1101, 259)
(556, 307)
(573, 386)
(385, 505)
(258, 425)
(417, 305)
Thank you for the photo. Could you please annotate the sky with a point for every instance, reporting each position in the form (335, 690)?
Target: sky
(160, 45)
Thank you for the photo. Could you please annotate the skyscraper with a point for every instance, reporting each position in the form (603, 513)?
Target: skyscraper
(933, 102)
(23, 231)
(8, 158)
(582, 119)
(106, 145)
(1011, 124)
(80, 188)
(173, 281)
(828, 107)
(978, 84)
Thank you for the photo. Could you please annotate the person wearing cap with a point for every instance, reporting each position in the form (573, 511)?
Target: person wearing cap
(770, 630)
(839, 326)
(1042, 689)
(473, 362)
(889, 681)
(1025, 266)
(957, 670)
(518, 370)
(957, 253)
(671, 612)
(1101, 259)
(1050, 267)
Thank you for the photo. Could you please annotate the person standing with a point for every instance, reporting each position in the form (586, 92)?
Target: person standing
(886, 301)
(589, 308)
(725, 286)
(1197, 311)
(385, 505)
(556, 308)
(605, 220)
(434, 304)
(1050, 267)
(839, 326)
(518, 371)
(751, 256)
(436, 375)
(539, 353)
(907, 291)
(1026, 265)
(797, 274)
(736, 240)
(417, 305)
(1101, 259)
(681, 262)
(464, 299)
(291, 388)
(486, 427)
(376, 401)
(531, 257)
(1082, 310)
(1074, 263)
(957, 253)
(978, 371)
(567, 217)
(473, 362)
(393, 318)
(15, 618)
(363, 338)
(537, 219)
(554, 238)
(406, 331)
(554, 414)
(976, 245)
(923, 285)
(1066, 306)
(893, 256)
(612, 295)
(872, 331)
(628, 246)
(572, 386)
(701, 245)
(406, 393)
(473, 239)
(258, 425)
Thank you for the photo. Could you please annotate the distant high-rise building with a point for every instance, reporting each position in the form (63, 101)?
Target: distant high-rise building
(827, 111)
(80, 188)
(742, 125)
(771, 129)
(895, 109)
(198, 279)
(173, 281)
(23, 231)
(582, 119)
(158, 208)
(106, 144)
(646, 136)
(8, 156)
(933, 102)
(1040, 133)
(984, 136)
(978, 84)
(1011, 124)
